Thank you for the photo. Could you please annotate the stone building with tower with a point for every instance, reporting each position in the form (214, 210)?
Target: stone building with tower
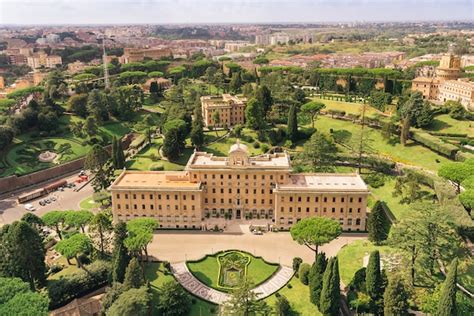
(239, 187)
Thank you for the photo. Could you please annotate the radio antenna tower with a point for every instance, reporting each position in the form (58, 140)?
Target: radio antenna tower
(104, 62)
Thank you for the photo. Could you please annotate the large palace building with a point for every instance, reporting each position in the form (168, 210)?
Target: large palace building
(237, 187)
(231, 110)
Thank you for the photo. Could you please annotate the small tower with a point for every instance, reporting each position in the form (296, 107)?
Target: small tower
(104, 62)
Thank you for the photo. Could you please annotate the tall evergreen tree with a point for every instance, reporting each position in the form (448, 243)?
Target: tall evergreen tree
(316, 278)
(264, 96)
(292, 128)
(22, 253)
(114, 152)
(396, 298)
(133, 275)
(377, 224)
(120, 156)
(330, 294)
(197, 133)
(374, 281)
(120, 255)
(447, 301)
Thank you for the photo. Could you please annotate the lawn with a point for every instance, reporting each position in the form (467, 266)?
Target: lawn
(384, 193)
(222, 147)
(298, 295)
(445, 124)
(207, 270)
(154, 274)
(68, 268)
(348, 107)
(116, 129)
(352, 255)
(411, 154)
(88, 204)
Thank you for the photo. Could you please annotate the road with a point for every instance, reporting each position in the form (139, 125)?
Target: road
(66, 200)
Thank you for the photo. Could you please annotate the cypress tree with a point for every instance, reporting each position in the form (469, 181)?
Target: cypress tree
(373, 280)
(120, 255)
(292, 124)
(330, 294)
(120, 155)
(395, 298)
(377, 224)
(447, 301)
(133, 275)
(316, 278)
(114, 152)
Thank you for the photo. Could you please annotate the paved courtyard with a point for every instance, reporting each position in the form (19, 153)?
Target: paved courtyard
(178, 246)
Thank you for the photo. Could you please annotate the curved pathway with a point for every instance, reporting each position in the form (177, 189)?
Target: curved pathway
(192, 284)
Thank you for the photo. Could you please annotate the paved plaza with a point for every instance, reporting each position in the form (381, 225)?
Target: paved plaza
(279, 247)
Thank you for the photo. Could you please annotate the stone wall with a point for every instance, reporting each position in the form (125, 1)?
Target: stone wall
(12, 183)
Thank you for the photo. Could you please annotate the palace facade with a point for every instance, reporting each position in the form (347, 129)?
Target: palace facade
(236, 187)
(231, 110)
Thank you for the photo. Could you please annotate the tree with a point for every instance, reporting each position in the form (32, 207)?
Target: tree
(22, 254)
(330, 294)
(378, 224)
(140, 234)
(96, 106)
(97, 161)
(33, 220)
(101, 224)
(243, 301)
(216, 118)
(316, 278)
(312, 109)
(16, 298)
(112, 293)
(175, 136)
(197, 133)
(456, 172)
(78, 219)
(396, 298)
(78, 104)
(467, 199)
(320, 152)
(303, 273)
(299, 96)
(373, 280)
(73, 246)
(264, 97)
(55, 220)
(133, 275)
(134, 302)
(297, 261)
(315, 231)
(120, 254)
(282, 306)
(6, 136)
(292, 127)
(254, 114)
(407, 111)
(235, 82)
(118, 157)
(447, 301)
(174, 300)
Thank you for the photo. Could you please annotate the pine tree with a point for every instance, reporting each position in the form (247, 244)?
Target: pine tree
(377, 224)
(120, 255)
(133, 275)
(292, 124)
(396, 298)
(373, 281)
(447, 301)
(197, 133)
(316, 278)
(330, 294)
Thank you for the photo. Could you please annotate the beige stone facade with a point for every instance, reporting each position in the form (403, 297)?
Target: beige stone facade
(131, 55)
(429, 87)
(458, 90)
(231, 110)
(239, 187)
(449, 67)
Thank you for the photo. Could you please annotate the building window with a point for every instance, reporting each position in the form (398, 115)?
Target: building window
(151, 196)
(333, 210)
(126, 196)
(291, 199)
(192, 197)
(143, 196)
(316, 199)
(282, 209)
(134, 196)
(342, 210)
(325, 199)
(360, 200)
(334, 200)
(206, 200)
(291, 209)
(134, 206)
(351, 200)
(151, 206)
(143, 206)
(213, 190)
(299, 198)
(118, 196)
(167, 196)
(342, 200)
(358, 221)
(118, 206)
(307, 210)
(350, 209)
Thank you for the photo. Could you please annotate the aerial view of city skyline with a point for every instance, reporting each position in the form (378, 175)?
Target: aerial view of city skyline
(236, 157)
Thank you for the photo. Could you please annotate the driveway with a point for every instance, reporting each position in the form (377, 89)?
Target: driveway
(176, 246)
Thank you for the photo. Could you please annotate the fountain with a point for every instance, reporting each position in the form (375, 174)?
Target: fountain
(47, 156)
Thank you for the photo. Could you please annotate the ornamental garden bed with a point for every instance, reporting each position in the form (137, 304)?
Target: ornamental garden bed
(224, 271)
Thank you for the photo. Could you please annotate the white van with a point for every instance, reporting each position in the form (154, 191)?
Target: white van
(30, 207)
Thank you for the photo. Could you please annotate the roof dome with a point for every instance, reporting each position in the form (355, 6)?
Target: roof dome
(238, 147)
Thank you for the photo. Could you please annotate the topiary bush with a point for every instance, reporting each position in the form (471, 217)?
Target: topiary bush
(158, 166)
(303, 273)
(296, 264)
(375, 180)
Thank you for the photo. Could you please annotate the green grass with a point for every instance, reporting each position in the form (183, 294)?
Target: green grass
(114, 129)
(222, 147)
(411, 154)
(348, 107)
(67, 270)
(298, 296)
(88, 204)
(445, 124)
(351, 257)
(154, 274)
(207, 270)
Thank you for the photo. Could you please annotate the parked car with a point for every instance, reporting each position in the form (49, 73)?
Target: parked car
(42, 203)
(30, 207)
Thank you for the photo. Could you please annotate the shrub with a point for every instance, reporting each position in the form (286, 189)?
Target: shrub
(435, 144)
(256, 145)
(375, 180)
(296, 264)
(303, 273)
(158, 166)
(69, 287)
(55, 268)
(264, 148)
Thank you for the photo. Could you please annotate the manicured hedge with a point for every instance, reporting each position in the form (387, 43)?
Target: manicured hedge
(78, 284)
(462, 156)
(449, 134)
(435, 144)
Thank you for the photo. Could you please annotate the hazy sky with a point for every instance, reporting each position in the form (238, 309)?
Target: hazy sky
(228, 11)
